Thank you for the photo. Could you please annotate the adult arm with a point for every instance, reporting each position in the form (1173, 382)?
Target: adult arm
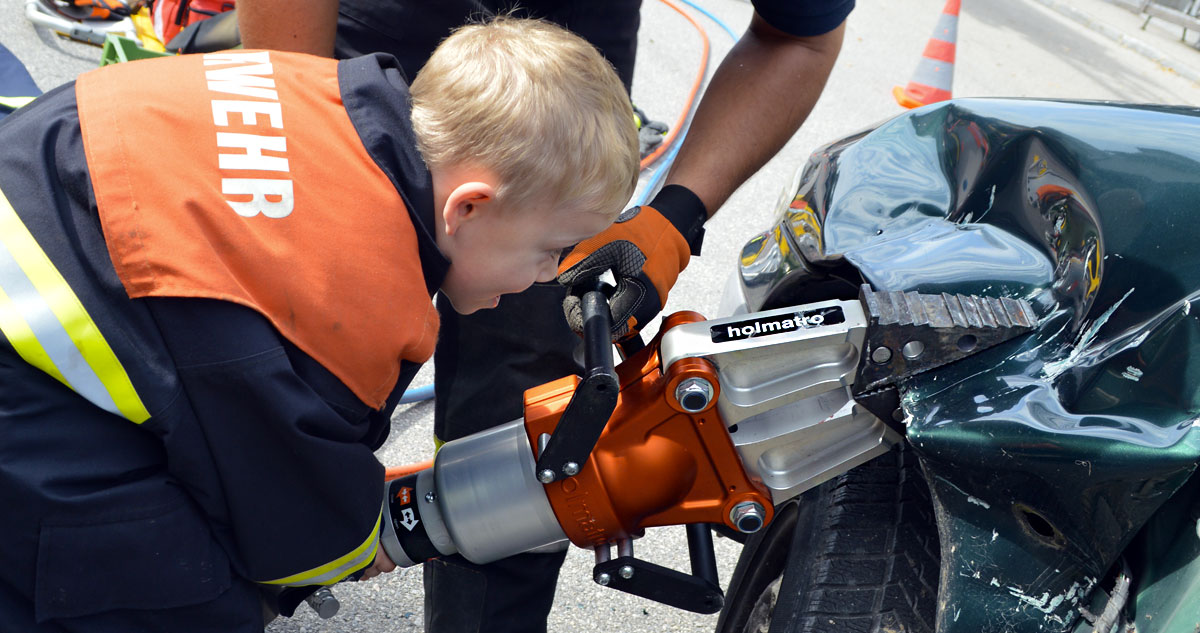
(760, 94)
(306, 27)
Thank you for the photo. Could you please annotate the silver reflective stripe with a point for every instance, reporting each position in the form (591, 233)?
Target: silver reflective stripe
(343, 570)
(947, 28)
(335, 570)
(49, 332)
(49, 328)
(935, 74)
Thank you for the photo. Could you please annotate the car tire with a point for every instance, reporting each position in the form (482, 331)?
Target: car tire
(859, 553)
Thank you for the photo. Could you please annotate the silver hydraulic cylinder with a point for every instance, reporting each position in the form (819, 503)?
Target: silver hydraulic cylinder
(786, 378)
(480, 499)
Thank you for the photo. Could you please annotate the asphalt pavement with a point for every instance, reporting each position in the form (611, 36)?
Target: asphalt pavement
(1077, 49)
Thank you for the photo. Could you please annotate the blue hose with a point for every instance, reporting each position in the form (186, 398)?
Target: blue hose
(416, 394)
(661, 171)
(712, 17)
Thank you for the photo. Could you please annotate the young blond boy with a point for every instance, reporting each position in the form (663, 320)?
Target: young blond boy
(215, 282)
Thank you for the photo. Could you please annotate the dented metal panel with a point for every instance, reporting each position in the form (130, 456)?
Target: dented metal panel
(1048, 453)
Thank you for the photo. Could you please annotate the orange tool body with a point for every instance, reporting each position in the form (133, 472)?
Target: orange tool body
(655, 464)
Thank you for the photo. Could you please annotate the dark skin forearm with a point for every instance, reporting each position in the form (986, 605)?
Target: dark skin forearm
(758, 97)
(281, 25)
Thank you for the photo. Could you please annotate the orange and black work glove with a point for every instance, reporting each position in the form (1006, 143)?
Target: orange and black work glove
(646, 249)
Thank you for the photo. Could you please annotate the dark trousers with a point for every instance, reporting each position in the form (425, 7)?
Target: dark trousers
(482, 366)
(95, 537)
(485, 361)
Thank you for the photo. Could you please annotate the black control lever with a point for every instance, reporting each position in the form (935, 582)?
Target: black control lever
(660, 584)
(699, 592)
(594, 399)
(702, 554)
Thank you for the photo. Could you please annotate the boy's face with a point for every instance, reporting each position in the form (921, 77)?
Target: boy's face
(496, 251)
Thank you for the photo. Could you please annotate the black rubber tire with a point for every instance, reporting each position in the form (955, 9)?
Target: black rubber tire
(755, 581)
(863, 558)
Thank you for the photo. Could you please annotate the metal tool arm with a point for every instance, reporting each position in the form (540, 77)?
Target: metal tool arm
(594, 399)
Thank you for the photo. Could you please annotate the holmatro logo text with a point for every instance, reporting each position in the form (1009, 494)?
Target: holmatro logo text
(779, 324)
(769, 327)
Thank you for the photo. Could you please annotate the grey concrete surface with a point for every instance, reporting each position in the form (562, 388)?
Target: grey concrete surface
(1163, 42)
(1009, 48)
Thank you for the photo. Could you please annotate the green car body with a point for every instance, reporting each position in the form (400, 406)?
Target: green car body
(1057, 457)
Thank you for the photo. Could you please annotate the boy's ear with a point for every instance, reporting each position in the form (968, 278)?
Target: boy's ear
(465, 202)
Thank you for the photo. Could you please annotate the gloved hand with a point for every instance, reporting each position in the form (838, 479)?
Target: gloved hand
(650, 133)
(646, 249)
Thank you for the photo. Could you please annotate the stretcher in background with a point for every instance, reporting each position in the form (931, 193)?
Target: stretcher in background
(142, 28)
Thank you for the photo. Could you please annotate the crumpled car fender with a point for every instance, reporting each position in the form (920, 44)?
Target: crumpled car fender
(1046, 454)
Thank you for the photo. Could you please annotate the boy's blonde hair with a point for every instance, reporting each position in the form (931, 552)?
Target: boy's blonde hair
(536, 105)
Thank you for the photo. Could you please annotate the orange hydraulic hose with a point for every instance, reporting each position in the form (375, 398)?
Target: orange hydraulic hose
(683, 116)
(396, 472)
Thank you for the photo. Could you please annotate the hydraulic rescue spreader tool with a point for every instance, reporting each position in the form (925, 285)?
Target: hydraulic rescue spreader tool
(713, 423)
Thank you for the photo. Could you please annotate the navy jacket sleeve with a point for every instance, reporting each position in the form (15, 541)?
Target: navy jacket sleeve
(273, 445)
(804, 18)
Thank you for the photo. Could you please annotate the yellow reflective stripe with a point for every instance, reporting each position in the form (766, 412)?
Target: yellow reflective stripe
(17, 331)
(15, 102)
(45, 289)
(338, 569)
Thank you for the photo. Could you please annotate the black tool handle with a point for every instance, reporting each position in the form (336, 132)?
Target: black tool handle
(597, 340)
(594, 399)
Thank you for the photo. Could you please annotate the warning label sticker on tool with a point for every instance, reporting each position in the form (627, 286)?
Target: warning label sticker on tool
(777, 324)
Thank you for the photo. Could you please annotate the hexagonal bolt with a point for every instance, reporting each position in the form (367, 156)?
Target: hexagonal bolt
(570, 469)
(546, 476)
(603, 580)
(694, 394)
(430, 497)
(748, 517)
(626, 572)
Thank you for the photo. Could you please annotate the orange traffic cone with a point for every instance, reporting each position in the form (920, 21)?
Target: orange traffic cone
(935, 72)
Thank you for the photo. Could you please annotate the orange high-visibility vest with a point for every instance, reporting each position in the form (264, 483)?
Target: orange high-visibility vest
(243, 179)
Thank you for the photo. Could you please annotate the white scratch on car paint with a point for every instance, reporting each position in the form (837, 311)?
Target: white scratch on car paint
(1132, 373)
(1046, 604)
(979, 502)
(970, 499)
(1053, 369)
